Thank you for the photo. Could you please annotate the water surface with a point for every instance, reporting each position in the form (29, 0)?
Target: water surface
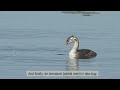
(35, 41)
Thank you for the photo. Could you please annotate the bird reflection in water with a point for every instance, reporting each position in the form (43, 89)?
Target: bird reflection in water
(72, 64)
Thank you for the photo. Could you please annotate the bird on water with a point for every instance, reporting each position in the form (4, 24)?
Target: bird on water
(79, 54)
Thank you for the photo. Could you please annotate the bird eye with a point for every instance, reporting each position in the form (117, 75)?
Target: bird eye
(75, 39)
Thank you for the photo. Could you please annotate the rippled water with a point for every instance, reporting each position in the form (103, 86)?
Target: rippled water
(35, 41)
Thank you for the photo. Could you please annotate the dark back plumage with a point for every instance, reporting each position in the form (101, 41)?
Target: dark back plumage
(86, 54)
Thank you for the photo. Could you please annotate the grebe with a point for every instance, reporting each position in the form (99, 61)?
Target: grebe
(79, 54)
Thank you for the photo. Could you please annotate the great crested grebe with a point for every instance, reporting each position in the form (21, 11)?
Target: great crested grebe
(79, 54)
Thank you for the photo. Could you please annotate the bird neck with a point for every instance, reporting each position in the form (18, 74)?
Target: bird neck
(76, 46)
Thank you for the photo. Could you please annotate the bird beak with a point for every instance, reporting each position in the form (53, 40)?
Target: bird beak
(66, 44)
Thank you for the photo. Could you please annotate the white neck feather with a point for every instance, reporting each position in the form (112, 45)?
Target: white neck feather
(74, 49)
(76, 45)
